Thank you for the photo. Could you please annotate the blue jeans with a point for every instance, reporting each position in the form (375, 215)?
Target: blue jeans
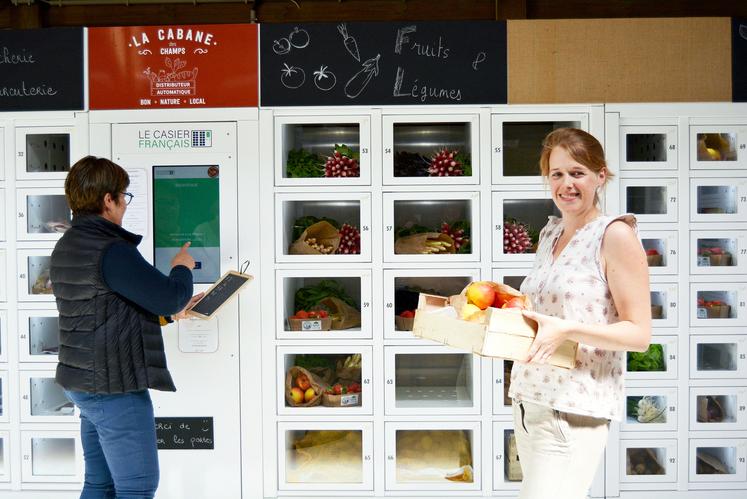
(118, 434)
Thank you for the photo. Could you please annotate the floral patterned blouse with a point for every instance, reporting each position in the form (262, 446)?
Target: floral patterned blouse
(573, 286)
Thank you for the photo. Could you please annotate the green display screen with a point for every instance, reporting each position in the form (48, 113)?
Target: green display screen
(186, 207)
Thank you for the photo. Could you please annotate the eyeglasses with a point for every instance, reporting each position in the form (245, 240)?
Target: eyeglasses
(128, 197)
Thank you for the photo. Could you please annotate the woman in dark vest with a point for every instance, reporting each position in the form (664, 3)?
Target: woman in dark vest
(112, 304)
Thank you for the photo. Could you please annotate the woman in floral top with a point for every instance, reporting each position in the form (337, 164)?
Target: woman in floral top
(589, 284)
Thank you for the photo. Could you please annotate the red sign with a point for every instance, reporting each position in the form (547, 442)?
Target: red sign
(152, 67)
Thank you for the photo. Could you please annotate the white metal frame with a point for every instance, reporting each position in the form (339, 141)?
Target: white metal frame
(283, 312)
(391, 386)
(22, 194)
(27, 453)
(24, 335)
(3, 275)
(473, 429)
(737, 186)
(670, 344)
(500, 481)
(665, 242)
(667, 394)
(669, 187)
(2, 218)
(737, 292)
(669, 302)
(734, 406)
(668, 130)
(741, 139)
(736, 480)
(472, 198)
(390, 121)
(497, 122)
(5, 392)
(739, 358)
(3, 335)
(367, 381)
(737, 247)
(323, 489)
(498, 387)
(284, 222)
(24, 277)
(281, 151)
(28, 398)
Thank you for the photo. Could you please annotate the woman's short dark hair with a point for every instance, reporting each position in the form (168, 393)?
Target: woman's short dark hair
(89, 180)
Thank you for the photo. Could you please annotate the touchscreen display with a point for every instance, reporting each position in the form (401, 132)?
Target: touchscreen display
(186, 208)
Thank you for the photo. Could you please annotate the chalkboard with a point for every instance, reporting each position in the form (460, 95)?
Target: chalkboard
(219, 293)
(41, 69)
(739, 59)
(371, 63)
(184, 433)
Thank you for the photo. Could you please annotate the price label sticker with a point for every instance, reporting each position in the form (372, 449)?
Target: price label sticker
(702, 313)
(704, 261)
(311, 325)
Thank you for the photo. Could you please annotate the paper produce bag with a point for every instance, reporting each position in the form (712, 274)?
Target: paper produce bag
(320, 238)
(318, 385)
(343, 315)
(425, 243)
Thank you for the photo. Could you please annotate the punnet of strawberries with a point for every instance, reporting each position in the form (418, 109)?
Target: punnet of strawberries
(709, 303)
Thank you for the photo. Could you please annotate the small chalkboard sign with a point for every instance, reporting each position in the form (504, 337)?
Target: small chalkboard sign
(41, 69)
(739, 59)
(219, 293)
(377, 63)
(184, 433)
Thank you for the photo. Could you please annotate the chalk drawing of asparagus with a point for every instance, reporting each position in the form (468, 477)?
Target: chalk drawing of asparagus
(350, 44)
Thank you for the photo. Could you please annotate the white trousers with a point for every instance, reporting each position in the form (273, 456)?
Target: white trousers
(559, 452)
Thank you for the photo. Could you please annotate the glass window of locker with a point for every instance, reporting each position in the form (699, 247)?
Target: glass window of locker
(47, 152)
(433, 456)
(53, 457)
(407, 291)
(647, 410)
(716, 356)
(336, 379)
(39, 282)
(317, 150)
(522, 145)
(716, 408)
(342, 313)
(4, 466)
(47, 214)
(324, 456)
(47, 398)
(3, 276)
(3, 396)
(43, 335)
(654, 359)
(645, 461)
(299, 215)
(3, 336)
(718, 460)
(646, 147)
(717, 146)
(716, 199)
(716, 304)
(523, 219)
(449, 217)
(646, 199)
(433, 380)
(511, 464)
(435, 149)
(716, 252)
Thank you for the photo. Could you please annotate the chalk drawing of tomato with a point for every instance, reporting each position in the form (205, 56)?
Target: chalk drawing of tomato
(324, 79)
(292, 76)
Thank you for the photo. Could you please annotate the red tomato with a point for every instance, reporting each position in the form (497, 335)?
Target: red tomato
(302, 314)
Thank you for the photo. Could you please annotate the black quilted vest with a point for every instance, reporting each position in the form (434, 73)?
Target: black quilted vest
(107, 344)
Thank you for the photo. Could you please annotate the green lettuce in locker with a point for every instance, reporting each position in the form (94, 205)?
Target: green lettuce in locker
(186, 207)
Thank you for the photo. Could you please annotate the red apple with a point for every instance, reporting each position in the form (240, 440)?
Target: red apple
(515, 302)
(481, 294)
